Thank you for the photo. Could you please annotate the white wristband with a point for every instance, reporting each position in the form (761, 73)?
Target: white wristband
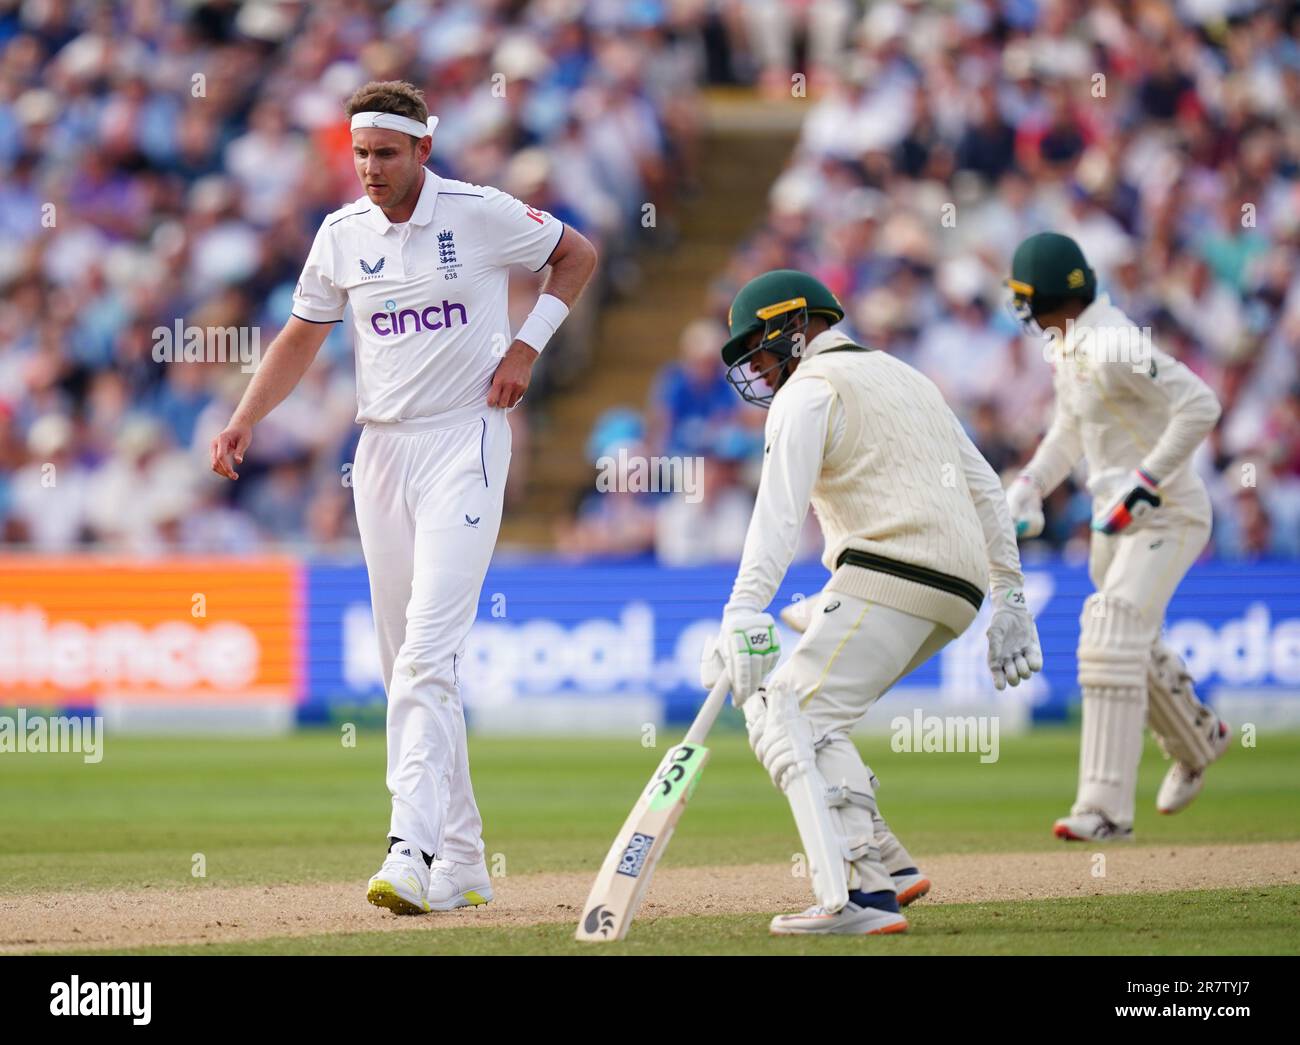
(542, 322)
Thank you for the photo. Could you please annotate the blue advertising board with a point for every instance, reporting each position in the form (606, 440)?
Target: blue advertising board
(585, 637)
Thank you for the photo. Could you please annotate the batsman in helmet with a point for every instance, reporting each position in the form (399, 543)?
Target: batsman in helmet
(916, 529)
(1135, 415)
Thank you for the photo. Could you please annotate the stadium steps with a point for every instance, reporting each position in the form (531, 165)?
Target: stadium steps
(746, 143)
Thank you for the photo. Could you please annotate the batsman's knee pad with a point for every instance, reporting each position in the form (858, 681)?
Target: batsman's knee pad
(857, 845)
(892, 852)
(1114, 644)
(1184, 727)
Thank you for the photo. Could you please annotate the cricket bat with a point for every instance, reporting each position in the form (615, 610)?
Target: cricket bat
(625, 875)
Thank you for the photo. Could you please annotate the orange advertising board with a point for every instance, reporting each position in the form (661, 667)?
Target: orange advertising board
(172, 630)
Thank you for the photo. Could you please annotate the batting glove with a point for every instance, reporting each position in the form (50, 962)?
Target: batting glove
(1025, 502)
(746, 648)
(1014, 652)
(1131, 508)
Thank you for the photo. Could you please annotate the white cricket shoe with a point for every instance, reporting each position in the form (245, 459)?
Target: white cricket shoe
(1091, 827)
(1182, 784)
(850, 920)
(402, 882)
(910, 884)
(453, 885)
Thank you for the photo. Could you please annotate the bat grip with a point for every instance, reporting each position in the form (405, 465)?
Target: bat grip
(708, 713)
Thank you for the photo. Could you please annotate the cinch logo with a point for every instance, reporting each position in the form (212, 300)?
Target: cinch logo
(411, 320)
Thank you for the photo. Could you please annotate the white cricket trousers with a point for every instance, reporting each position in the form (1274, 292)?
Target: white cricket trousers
(428, 498)
(851, 654)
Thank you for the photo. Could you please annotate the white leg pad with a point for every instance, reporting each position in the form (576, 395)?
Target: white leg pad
(1114, 646)
(781, 736)
(1181, 723)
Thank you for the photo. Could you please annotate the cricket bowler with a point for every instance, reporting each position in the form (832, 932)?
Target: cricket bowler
(1135, 415)
(423, 261)
(916, 525)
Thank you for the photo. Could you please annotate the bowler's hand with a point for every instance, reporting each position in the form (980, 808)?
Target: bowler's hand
(510, 380)
(231, 444)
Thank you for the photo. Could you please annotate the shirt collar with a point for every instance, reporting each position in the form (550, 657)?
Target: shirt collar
(826, 339)
(423, 213)
(1098, 313)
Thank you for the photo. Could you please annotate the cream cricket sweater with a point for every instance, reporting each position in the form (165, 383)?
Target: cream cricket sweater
(914, 518)
(1123, 404)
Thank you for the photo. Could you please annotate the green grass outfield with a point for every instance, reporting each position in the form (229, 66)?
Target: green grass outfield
(306, 808)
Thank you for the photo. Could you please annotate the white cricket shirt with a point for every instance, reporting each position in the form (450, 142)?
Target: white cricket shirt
(428, 296)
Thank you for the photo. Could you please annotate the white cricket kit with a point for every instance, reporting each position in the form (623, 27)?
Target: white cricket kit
(1120, 411)
(916, 531)
(429, 314)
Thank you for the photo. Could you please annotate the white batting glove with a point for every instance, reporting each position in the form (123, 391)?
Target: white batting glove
(1014, 652)
(746, 648)
(1025, 502)
(1131, 508)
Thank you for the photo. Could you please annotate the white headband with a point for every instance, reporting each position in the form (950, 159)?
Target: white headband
(393, 122)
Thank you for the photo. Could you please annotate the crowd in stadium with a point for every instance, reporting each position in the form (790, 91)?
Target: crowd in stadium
(1167, 146)
(173, 159)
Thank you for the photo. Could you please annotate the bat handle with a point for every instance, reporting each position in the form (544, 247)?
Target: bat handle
(708, 713)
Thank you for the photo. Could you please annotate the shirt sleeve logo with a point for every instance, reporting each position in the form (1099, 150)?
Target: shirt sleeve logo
(537, 215)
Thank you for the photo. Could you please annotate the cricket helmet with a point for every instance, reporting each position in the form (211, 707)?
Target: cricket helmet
(1047, 270)
(775, 306)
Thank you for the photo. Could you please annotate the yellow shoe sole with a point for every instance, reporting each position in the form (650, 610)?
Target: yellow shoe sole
(382, 894)
(471, 898)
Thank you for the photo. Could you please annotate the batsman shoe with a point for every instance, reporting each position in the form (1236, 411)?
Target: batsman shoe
(1091, 827)
(909, 885)
(876, 915)
(401, 884)
(1182, 784)
(453, 885)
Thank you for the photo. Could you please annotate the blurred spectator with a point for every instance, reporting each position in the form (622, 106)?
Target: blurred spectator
(709, 525)
(142, 483)
(49, 496)
(692, 401)
(615, 518)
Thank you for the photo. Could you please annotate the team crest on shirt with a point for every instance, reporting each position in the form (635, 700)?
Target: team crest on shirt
(371, 271)
(447, 263)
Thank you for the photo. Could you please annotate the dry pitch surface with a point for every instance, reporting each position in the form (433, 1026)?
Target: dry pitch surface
(117, 919)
